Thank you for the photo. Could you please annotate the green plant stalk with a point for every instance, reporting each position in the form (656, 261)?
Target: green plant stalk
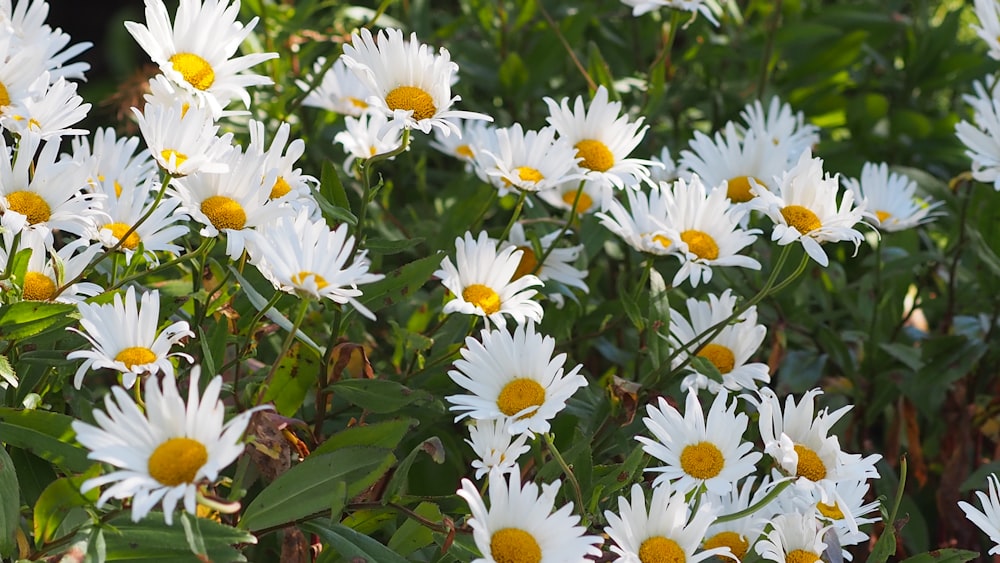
(285, 347)
(366, 197)
(771, 495)
(11, 252)
(562, 233)
(166, 265)
(668, 46)
(250, 329)
(522, 195)
(570, 476)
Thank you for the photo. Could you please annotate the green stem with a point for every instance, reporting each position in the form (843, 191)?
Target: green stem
(771, 495)
(765, 63)
(366, 178)
(166, 265)
(675, 21)
(285, 347)
(562, 233)
(570, 476)
(522, 195)
(11, 253)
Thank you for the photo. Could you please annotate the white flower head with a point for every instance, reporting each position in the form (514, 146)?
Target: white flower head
(594, 196)
(49, 269)
(988, 12)
(735, 161)
(987, 519)
(794, 537)
(667, 171)
(368, 135)
(183, 140)
(339, 90)
(892, 197)
(780, 126)
(48, 111)
(112, 160)
(123, 209)
(475, 137)
(558, 266)
(708, 8)
(739, 535)
(24, 23)
(530, 161)
(496, 448)
(291, 185)
(645, 225)
(849, 511)
(982, 140)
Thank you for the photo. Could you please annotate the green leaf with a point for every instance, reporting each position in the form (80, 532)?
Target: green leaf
(513, 73)
(30, 318)
(378, 395)
(399, 283)
(413, 535)
(296, 374)
(48, 435)
(385, 434)
(331, 187)
(7, 371)
(351, 545)
(385, 247)
(943, 556)
(308, 488)
(55, 502)
(397, 485)
(10, 504)
(152, 540)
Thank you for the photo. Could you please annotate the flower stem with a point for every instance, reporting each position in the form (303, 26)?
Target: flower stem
(562, 233)
(522, 195)
(771, 495)
(285, 347)
(570, 476)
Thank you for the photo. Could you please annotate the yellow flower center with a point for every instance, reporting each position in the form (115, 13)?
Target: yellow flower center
(195, 70)
(119, 230)
(882, 216)
(801, 556)
(37, 287)
(735, 542)
(519, 394)
(583, 203)
(514, 545)
(804, 220)
(595, 155)
(482, 297)
(831, 511)
(720, 356)
(178, 156)
(4, 95)
(300, 279)
(357, 102)
(280, 188)
(659, 549)
(739, 189)
(701, 244)
(465, 151)
(135, 356)
(702, 460)
(177, 461)
(529, 174)
(527, 264)
(29, 204)
(224, 212)
(810, 465)
(411, 98)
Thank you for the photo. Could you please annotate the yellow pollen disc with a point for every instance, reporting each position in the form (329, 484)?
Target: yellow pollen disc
(701, 244)
(527, 264)
(135, 356)
(659, 549)
(735, 542)
(224, 212)
(4, 95)
(810, 465)
(300, 279)
(465, 152)
(882, 216)
(519, 394)
(664, 241)
(514, 545)
(280, 188)
(702, 460)
(831, 511)
(177, 461)
(482, 297)
(529, 174)
(358, 103)
(595, 155)
(582, 205)
(29, 204)
(179, 156)
(119, 230)
(801, 556)
(804, 220)
(196, 70)
(411, 98)
(118, 189)
(37, 287)
(720, 356)
(739, 189)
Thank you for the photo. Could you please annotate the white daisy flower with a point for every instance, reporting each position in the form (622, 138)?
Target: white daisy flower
(125, 338)
(305, 257)
(891, 197)
(196, 50)
(124, 206)
(182, 140)
(603, 139)
(645, 225)
(667, 171)
(730, 352)
(708, 231)
(708, 8)
(513, 377)
(733, 161)
(988, 12)
(982, 140)
(164, 92)
(699, 452)
(339, 90)
(112, 159)
(667, 532)
(367, 136)
(987, 519)
(558, 266)
(739, 535)
(495, 446)
(49, 111)
(785, 130)
(410, 84)
(804, 209)
(520, 525)
(25, 22)
(595, 195)
(531, 161)
(49, 269)
(848, 513)
(165, 454)
(291, 186)
(475, 137)
(18, 70)
(482, 281)
(794, 537)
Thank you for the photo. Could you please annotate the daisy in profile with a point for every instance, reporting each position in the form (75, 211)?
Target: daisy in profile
(736, 161)
(495, 446)
(667, 171)
(987, 519)
(982, 140)
(603, 139)
(123, 208)
(112, 159)
(698, 451)
(49, 111)
(784, 129)
(529, 161)
(475, 137)
(891, 197)
(793, 537)
(339, 90)
(594, 196)
(739, 535)
(182, 139)
(558, 266)
(708, 8)
(291, 185)
(482, 281)
(407, 82)
(988, 12)
(804, 209)
(848, 513)
(196, 50)
(730, 352)
(645, 225)
(519, 524)
(708, 231)
(304, 257)
(125, 338)
(667, 532)
(49, 269)
(513, 377)
(167, 453)
(366, 136)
